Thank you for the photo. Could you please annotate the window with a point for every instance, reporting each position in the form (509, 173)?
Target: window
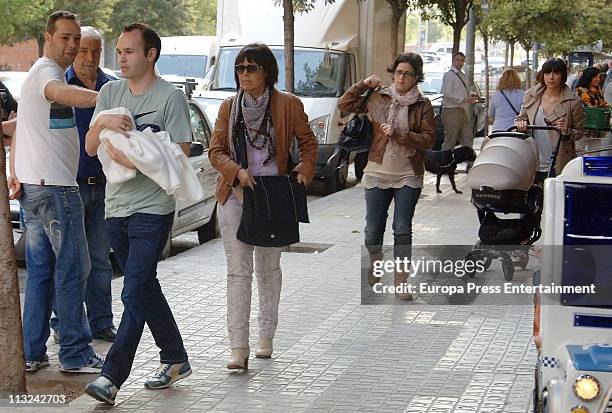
(317, 72)
(182, 65)
(199, 127)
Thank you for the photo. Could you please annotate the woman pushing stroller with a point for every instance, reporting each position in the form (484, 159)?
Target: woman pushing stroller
(552, 103)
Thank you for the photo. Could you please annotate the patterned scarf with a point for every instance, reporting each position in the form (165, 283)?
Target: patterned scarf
(257, 118)
(398, 118)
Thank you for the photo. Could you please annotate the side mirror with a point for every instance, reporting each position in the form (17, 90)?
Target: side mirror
(196, 149)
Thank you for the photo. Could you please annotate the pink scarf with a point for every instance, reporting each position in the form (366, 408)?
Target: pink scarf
(398, 118)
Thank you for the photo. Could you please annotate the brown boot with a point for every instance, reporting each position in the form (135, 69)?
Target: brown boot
(401, 277)
(372, 279)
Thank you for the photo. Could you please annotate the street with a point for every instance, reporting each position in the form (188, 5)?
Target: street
(331, 353)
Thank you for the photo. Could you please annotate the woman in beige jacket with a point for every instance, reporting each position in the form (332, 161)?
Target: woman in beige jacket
(552, 103)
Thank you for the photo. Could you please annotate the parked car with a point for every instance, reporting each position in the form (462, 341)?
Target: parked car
(497, 64)
(13, 81)
(200, 216)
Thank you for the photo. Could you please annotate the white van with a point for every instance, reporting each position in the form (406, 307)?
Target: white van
(186, 59)
(335, 46)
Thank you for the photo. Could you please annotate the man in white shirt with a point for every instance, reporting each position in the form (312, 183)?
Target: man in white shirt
(43, 177)
(455, 105)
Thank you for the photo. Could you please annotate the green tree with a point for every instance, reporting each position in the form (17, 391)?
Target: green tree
(169, 18)
(17, 14)
(205, 17)
(454, 13)
(91, 13)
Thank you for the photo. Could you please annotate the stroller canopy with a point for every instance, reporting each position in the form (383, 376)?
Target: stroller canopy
(505, 163)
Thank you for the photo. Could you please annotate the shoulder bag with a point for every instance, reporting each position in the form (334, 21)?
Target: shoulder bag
(272, 211)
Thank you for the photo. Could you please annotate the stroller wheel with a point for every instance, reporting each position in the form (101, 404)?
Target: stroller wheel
(471, 258)
(520, 258)
(483, 256)
(508, 268)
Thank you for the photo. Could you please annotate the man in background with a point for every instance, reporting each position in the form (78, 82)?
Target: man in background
(455, 106)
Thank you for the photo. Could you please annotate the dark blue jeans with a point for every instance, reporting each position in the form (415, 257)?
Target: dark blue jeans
(58, 264)
(138, 241)
(98, 293)
(377, 207)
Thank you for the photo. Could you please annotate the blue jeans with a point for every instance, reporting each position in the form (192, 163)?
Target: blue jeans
(57, 261)
(98, 293)
(138, 241)
(377, 207)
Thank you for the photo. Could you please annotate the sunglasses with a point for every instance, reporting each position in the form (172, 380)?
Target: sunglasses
(405, 74)
(240, 69)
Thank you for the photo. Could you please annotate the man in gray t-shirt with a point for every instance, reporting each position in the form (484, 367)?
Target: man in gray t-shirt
(139, 213)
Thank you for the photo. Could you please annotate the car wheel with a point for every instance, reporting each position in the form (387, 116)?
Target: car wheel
(361, 160)
(210, 230)
(337, 172)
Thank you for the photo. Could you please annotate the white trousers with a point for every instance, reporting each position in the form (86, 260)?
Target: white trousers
(240, 277)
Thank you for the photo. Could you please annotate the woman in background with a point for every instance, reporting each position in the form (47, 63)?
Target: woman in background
(506, 103)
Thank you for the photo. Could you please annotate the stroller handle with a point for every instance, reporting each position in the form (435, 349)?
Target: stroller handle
(533, 127)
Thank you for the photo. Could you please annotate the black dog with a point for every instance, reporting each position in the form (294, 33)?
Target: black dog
(445, 163)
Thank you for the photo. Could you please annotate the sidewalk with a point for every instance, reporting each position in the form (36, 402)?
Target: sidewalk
(330, 352)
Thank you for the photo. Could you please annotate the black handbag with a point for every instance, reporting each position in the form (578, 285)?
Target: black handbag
(272, 211)
(357, 134)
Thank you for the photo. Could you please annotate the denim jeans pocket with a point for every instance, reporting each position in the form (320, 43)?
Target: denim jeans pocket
(37, 201)
(35, 193)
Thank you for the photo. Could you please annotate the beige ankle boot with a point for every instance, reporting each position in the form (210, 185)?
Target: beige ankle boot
(371, 278)
(239, 359)
(401, 277)
(264, 348)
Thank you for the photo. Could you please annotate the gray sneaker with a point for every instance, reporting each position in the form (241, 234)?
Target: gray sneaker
(168, 374)
(94, 365)
(32, 366)
(102, 389)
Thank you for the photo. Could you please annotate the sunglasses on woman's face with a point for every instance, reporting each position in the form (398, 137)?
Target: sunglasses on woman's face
(249, 68)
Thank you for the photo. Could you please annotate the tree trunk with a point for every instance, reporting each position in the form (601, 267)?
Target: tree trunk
(40, 40)
(12, 364)
(512, 54)
(506, 54)
(456, 37)
(395, 19)
(398, 7)
(288, 19)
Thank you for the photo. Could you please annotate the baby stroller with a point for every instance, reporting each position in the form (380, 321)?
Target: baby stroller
(503, 181)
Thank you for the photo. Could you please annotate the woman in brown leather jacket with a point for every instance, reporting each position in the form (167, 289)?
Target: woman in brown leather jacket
(404, 126)
(271, 119)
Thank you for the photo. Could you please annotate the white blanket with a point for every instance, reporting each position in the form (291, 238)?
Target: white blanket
(154, 155)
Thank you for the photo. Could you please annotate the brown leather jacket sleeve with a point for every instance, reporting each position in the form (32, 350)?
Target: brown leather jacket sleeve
(426, 138)
(351, 100)
(307, 143)
(576, 130)
(218, 152)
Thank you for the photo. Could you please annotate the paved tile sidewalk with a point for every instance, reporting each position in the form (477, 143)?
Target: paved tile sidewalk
(331, 353)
